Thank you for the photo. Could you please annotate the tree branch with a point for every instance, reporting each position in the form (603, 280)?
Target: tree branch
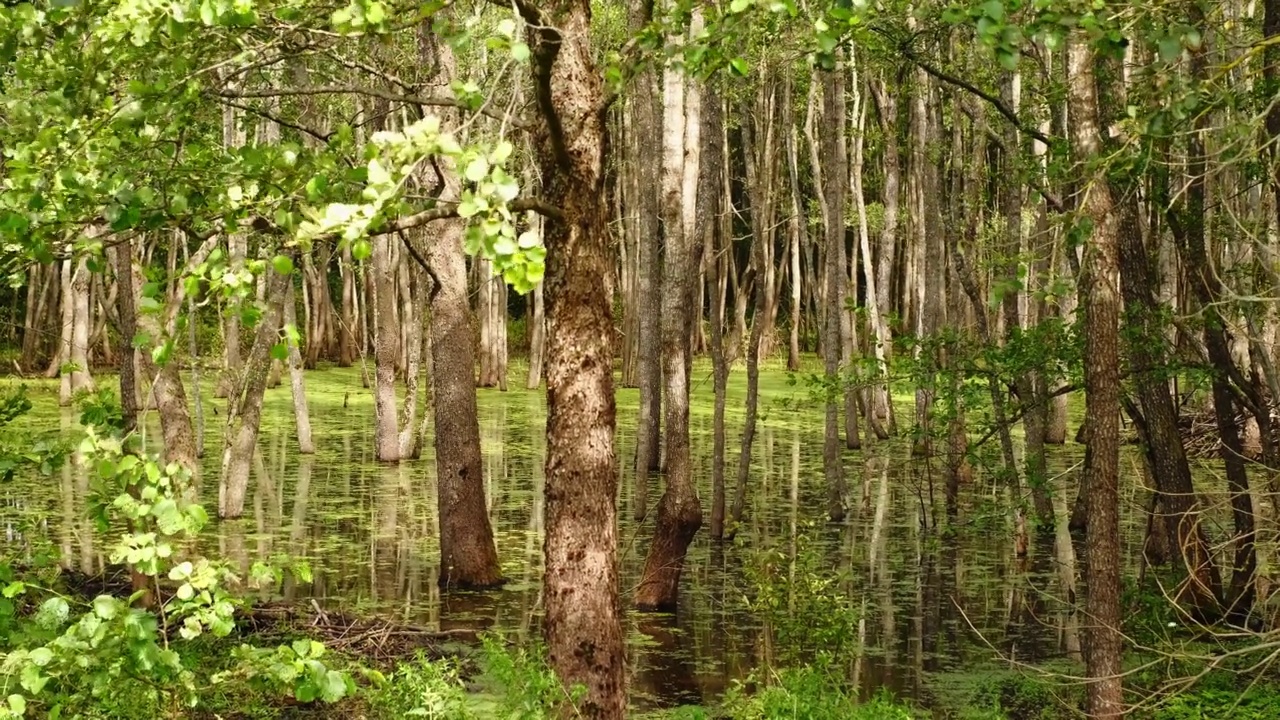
(995, 102)
(321, 136)
(370, 92)
(406, 222)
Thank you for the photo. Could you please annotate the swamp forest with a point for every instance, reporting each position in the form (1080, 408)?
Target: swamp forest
(850, 359)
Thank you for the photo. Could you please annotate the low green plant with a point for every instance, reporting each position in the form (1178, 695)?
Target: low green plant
(120, 656)
(809, 693)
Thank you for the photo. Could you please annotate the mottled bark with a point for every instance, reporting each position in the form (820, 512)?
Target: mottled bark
(1101, 306)
(580, 584)
(468, 557)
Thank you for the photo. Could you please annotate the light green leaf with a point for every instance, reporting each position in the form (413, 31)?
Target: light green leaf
(283, 264)
(17, 705)
(477, 169)
(41, 656)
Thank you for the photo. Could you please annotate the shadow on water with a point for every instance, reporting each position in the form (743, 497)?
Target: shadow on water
(927, 602)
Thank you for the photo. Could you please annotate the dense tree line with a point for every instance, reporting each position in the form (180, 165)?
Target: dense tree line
(995, 204)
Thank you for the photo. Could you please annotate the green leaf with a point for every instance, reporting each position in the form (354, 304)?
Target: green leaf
(305, 692)
(1170, 48)
(280, 351)
(17, 705)
(520, 52)
(740, 66)
(105, 607)
(41, 656)
(737, 6)
(14, 588)
(477, 169)
(301, 647)
(361, 250)
(283, 264)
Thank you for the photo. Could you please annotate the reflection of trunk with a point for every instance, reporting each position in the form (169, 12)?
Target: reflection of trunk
(580, 584)
(244, 409)
(679, 510)
(832, 180)
(297, 386)
(1102, 398)
(468, 557)
(386, 344)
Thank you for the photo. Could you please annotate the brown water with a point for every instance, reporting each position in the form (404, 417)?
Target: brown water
(925, 607)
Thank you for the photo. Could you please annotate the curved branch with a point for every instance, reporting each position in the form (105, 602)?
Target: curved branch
(408, 99)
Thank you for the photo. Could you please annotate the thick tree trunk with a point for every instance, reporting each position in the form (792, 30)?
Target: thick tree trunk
(244, 409)
(1100, 281)
(679, 510)
(580, 584)
(468, 556)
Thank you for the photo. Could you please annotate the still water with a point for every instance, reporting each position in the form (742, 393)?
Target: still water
(923, 607)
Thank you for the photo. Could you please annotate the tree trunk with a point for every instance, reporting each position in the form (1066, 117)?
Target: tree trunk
(468, 556)
(297, 385)
(491, 306)
(386, 332)
(537, 338)
(887, 104)
(580, 583)
(831, 180)
(709, 186)
(1100, 283)
(346, 328)
(679, 510)
(231, 360)
(244, 409)
(645, 126)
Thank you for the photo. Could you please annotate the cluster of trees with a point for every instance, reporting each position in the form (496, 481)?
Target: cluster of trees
(863, 180)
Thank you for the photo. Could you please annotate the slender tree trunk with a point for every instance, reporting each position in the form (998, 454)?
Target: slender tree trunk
(1100, 282)
(645, 123)
(887, 104)
(832, 179)
(679, 510)
(537, 338)
(580, 584)
(346, 328)
(297, 384)
(244, 410)
(386, 333)
(491, 306)
(796, 227)
(413, 298)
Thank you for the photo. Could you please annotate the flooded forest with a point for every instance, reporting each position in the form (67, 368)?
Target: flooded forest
(658, 359)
